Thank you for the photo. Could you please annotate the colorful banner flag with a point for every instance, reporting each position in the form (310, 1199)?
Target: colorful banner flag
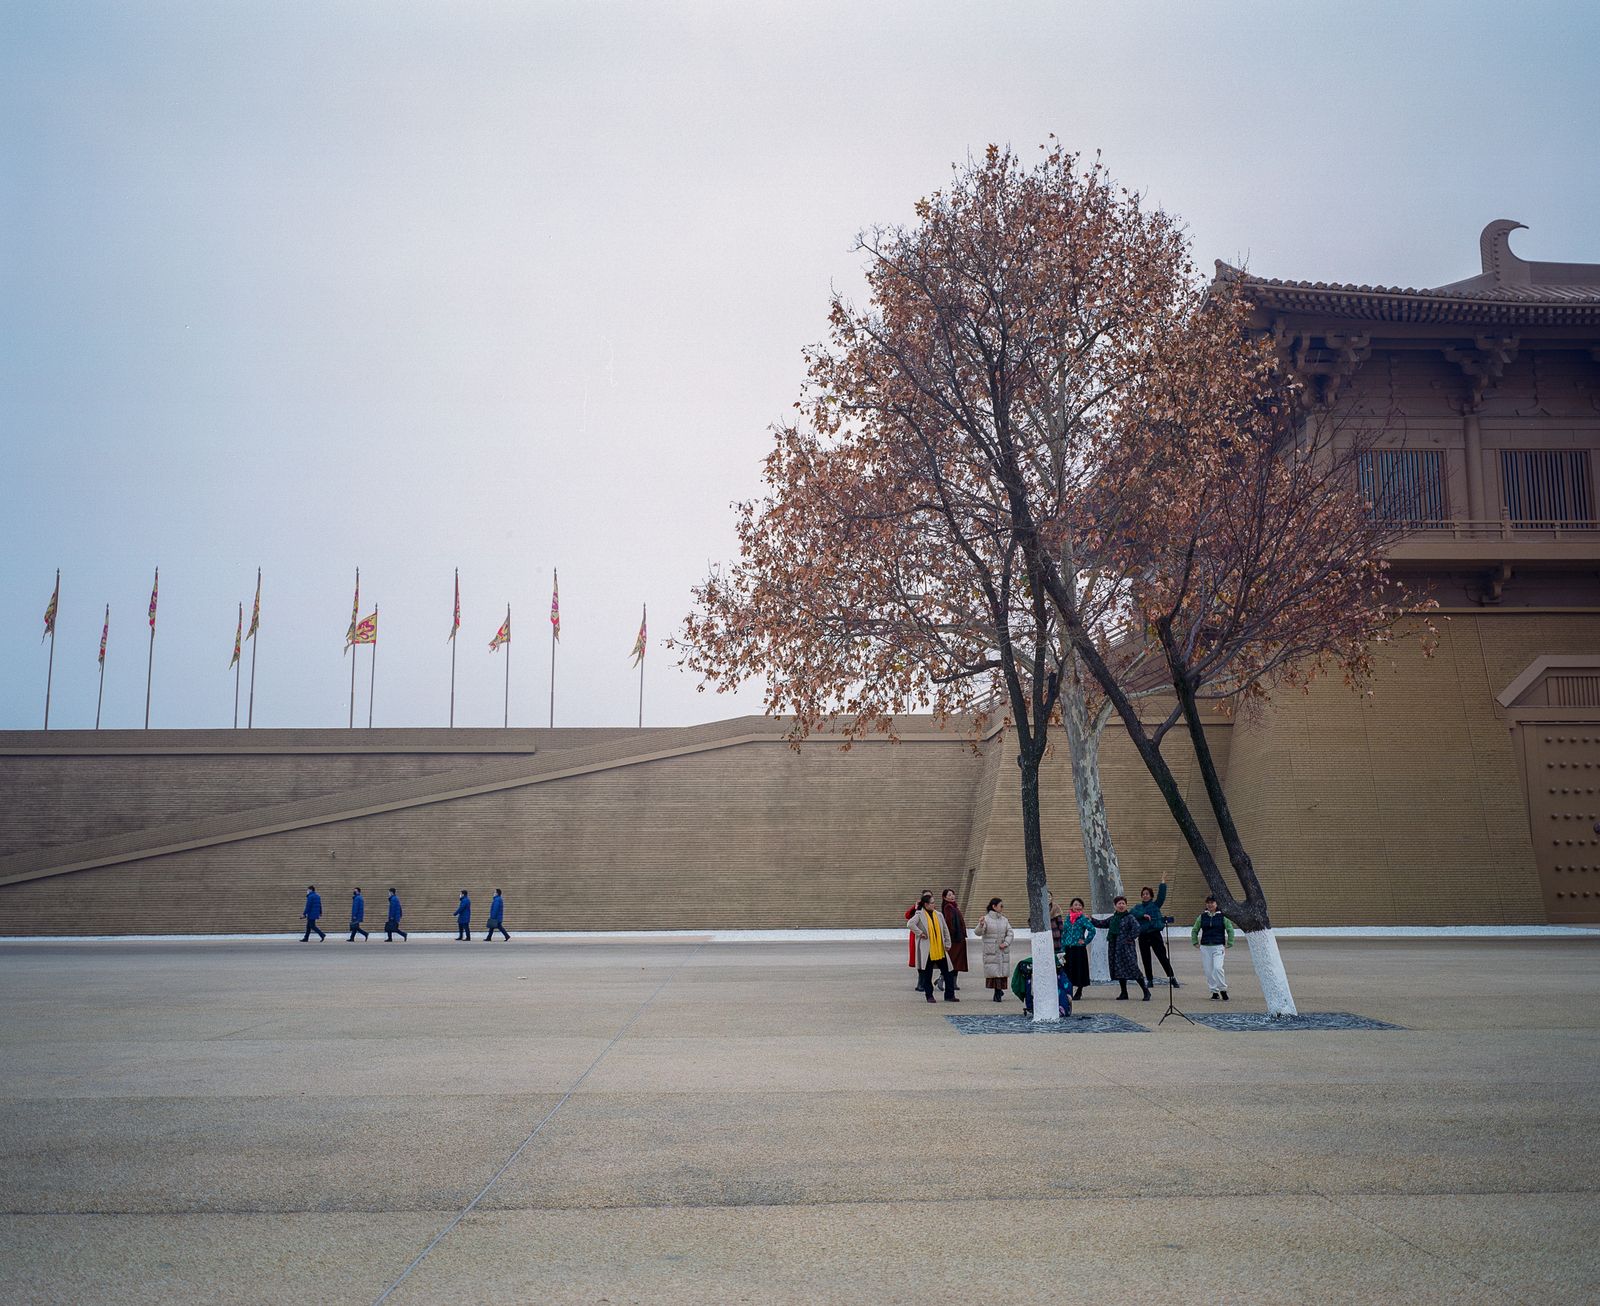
(50, 611)
(104, 631)
(501, 636)
(555, 605)
(255, 612)
(367, 630)
(238, 639)
(455, 624)
(638, 644)
(355, 614)
(154, 590)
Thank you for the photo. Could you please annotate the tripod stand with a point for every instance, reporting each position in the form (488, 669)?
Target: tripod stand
(1172, 1002)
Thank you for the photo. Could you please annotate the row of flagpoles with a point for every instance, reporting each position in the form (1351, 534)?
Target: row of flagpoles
(363, 630)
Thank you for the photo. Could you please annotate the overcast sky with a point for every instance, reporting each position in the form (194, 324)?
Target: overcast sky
(512, 287)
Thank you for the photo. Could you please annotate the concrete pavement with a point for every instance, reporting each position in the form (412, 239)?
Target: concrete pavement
(779, 1122)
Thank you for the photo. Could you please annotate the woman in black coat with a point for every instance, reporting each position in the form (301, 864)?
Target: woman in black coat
(1122, 947)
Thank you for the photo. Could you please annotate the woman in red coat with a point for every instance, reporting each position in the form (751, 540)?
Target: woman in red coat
(958, 937)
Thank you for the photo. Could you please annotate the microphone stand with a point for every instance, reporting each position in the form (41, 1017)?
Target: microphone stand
(1172, 1002)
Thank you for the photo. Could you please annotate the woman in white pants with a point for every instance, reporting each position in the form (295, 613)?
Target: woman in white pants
(1212, 933)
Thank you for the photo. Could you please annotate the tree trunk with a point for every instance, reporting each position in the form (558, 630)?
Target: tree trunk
(1083, 742)
(1044, 954)
(1269, 970)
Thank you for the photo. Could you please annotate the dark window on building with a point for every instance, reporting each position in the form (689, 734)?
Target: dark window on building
(1546, 487)
(1406, 486)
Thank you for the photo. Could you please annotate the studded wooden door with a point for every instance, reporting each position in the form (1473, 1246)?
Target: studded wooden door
(1563, 773)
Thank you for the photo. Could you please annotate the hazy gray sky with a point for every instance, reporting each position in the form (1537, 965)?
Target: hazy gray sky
(509, 287)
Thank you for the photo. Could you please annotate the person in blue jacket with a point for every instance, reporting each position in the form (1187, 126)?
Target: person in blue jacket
(312, 914)
(497, 918)
(391, 927)
(358, 913)
(464, 918)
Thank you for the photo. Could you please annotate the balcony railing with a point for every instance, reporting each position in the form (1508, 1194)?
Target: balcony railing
(1504, 530)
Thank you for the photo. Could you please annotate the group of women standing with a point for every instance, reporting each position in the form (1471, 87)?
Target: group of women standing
(1131, 936)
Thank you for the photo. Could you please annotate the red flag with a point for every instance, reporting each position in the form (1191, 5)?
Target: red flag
(154, 590)
(367, 630)
(255, 612)
(50, 611)
(238, 638)
(104, 631)
(455, 624)
(503, 635)
(555, 604)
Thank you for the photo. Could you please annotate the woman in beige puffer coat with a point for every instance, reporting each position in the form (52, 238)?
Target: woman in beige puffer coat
(996, 932)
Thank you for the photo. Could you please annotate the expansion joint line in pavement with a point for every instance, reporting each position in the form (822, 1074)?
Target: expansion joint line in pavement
(537, 1129)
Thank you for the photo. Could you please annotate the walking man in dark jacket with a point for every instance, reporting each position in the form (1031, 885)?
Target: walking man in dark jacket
(497, 918)
(464, 918)
(313, 913)
(391, 927)
(358, 914)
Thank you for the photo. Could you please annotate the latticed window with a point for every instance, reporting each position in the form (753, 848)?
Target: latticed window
(1405, 485)
(1546, 487)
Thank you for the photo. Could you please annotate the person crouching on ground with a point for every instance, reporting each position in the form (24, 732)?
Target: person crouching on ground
(1122, 946)
(358, 913)
(957, 925)
(464, 918)
(933, 947)
(1151, 924)
(996, 932)
(391, 927)
(497, 918)
(1212, 933)
(1076, 932)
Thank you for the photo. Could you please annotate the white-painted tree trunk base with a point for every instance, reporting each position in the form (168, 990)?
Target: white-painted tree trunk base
(1045, 1004)
(1099, 959)
(1265, 958)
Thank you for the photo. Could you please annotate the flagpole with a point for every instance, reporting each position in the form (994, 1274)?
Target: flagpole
(453, 642)
(552, 677)
(101, 698)
(374, 685)
(641, 691)
(506, 724)
(150, 665)
(50, 666)
(250, 717)
(238, 670)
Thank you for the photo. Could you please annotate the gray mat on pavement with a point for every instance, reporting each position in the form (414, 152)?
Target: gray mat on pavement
(1234, 1021)
(1020, 1024)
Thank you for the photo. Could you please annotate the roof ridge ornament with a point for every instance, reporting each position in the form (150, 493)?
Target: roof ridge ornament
(1499, 263)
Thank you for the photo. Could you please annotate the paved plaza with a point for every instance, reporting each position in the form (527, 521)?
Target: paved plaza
(684, 1120)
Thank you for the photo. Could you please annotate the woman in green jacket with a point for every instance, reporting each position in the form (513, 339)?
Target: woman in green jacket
(1076, 931)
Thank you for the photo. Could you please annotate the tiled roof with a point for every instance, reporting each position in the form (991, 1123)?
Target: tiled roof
(1510, 291)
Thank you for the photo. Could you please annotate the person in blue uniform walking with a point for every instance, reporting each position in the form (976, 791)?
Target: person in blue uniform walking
(464, 918)
(358, 914)
(312, 914)
(391, 927)
(497, 917)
